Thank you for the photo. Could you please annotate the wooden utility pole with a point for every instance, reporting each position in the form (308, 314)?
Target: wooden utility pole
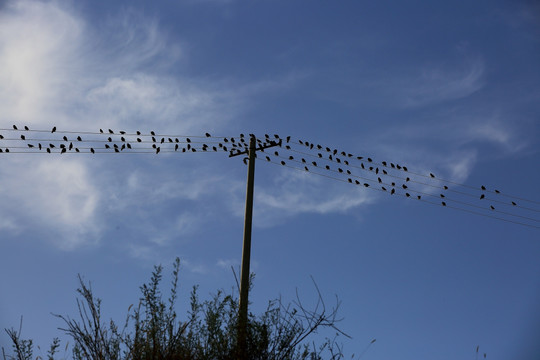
(246, 248)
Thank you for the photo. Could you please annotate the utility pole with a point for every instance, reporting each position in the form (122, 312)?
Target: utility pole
(246, 248)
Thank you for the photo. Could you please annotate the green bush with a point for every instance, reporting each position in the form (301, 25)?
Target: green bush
(153, 331)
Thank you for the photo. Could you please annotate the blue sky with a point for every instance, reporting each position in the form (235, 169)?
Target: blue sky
(450, 88)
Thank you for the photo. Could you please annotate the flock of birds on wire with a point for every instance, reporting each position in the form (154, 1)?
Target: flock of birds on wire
(383, 176)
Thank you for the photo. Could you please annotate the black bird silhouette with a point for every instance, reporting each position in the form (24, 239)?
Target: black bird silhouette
(79, 138)
(128, 145)
(399, 167)
(405, 168)
(110, 131)
(176, 147)
(407, 195)
(407, 179)
(30, 145)
(122, 139)
(483, 187)
(306, 168)
(366, 184)
(349, 180)
(443, 203)
(139, 140)
(513, 203)
(385, 172)
(497, 191)
(369, 159)
(49, 150)
(314, 163)
(188, 140)
(282, 162)
(157, 150)
(340, 170)
(492, 207)
(101, 131)
(39, 146)
(153, 139)
(51, 146)
(152, 133)
(122, 132)
(207, 135)
(110, 139)
(442, 195)
(116, 149)
(66, 139)
(392, 191)
(154, 146)
(382, 187)
(70, 146)
(268, 158)
(445, 187)
(23, 137)
(107, 146)
(1, 137)
(327, 167)
(138, 132)
(53, 129)
(162, 140)
(379, 179)
(63, 150)
(15, 127)
(92, 150)
(482, 196)
(384, 163)
(430, 174)
(26, 128)
(349, 172)
(404, 186)
(419, 197)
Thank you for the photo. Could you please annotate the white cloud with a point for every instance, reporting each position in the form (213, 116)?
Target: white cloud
(295, 193)
(436, 84)
(55, 194)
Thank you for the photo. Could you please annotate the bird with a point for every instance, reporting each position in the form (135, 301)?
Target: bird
(340, 170)
(157, 150)
(407, 195)
(92, 150)
(49, 150)
(430, 174)
(404, 186)
(101, 131)
(107, 146)
(445, 187)
(79, 138)
(63, 150)
(268, 158)
(348, 172)
(30, 145)
(176, 147)
(110, 139)
(111, 132)
(366, 184)
(392, 191)
(382, 187)
(327, 167)
(153, 139)
(39, 146)
(188, 140)
(139, 140)
(513, 203)
(497, 191)
(443, 203)
(419, 197)
(207, 135)
(385, 172)
(66, 139)
(122, 139)
(483, 187)
(369, 159)
(349, 180)
(15, 127)
(492, 207)
(282, 162)
(482, 196)
(384, 163)
(53, 129)
(23, 137)
(26, 128)
(122, 132)
(405, 168)
(152, 133)
(442, 195)
(138, 132)
(379, 179)
(128, 145)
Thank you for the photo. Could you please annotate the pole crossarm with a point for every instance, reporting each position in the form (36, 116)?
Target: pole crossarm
(261, 148)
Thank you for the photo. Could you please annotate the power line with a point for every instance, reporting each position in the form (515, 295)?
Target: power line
(384, 176)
